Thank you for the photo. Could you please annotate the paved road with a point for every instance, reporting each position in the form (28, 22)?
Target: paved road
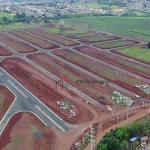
(26, 101)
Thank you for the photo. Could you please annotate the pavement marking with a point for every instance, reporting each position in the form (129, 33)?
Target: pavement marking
(47, 116)
(17, 89)
(30, 92)
(1, 74)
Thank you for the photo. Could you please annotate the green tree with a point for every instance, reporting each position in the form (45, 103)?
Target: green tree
(102, 147)
(122, 134)
(5, 19)
(113, 144)
(149, 45)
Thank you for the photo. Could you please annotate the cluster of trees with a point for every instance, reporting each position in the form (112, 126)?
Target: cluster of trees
(19, 18)
(149, 45)
(119, 138)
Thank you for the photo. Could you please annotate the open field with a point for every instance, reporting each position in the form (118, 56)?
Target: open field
(52, 37)
(6, 99)
(137, 27)
(98, 92)
(116, 61)
(84, 35)
(44, 88)
(4, 51)
(115, 44)
(99, 39)
(16, 44)
(20, 26)
(66, 32)
(141, 53)
(34, 40)
(26, 131)
(97, 68)
(123, 80)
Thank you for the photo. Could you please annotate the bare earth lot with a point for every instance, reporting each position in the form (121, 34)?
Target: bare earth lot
(126, 81)
(26, 132)
(6, 99)
(83, 35)
(43, 87)
(99, 39)
(15, 44)
(34, 40)
(117, 61)
(52, 37)
(96, 91)
(4, 51)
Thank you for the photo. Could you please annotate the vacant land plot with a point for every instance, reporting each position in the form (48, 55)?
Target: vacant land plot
(6, 99)
(25, 131)
(99, 39)
(52, 37)
(97, 68)
(4, 51)
(44, 88)
(137, 27)
(66, 32)
(141, 53)
(116, 61)
(16, 44)
(34, 40)
(76, 78)
(84, 35)
(101, 70)
(115, 44)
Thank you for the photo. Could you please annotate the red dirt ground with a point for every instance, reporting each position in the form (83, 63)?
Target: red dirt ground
(43, 87)
(126, 43)
(58, 68)
(16, 45)
(84, 35)
(115, 60)
(6, 99)
(48, 26)
(99, 39)
(124, 84)
(19, 135)
(34, 40)
(52, 37)
(4, 51)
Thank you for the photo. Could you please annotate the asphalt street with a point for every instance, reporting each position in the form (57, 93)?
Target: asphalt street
(26, 103)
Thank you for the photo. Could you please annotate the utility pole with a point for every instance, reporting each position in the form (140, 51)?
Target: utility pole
(81, 128)
(117, 117)
(92, 136)
(127, 113)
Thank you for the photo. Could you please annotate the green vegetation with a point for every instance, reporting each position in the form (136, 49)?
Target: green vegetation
(137, 27)
(113, 44)
(118, 139)
(16, 141)
(54, 30)
(32, 128)
(1, 100)
(65, 32)
(137, 52)
(149, 45)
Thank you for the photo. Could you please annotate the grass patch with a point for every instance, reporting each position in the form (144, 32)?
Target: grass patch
(113, 44)
(137, 52)
(137, 27)
(32, 128)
